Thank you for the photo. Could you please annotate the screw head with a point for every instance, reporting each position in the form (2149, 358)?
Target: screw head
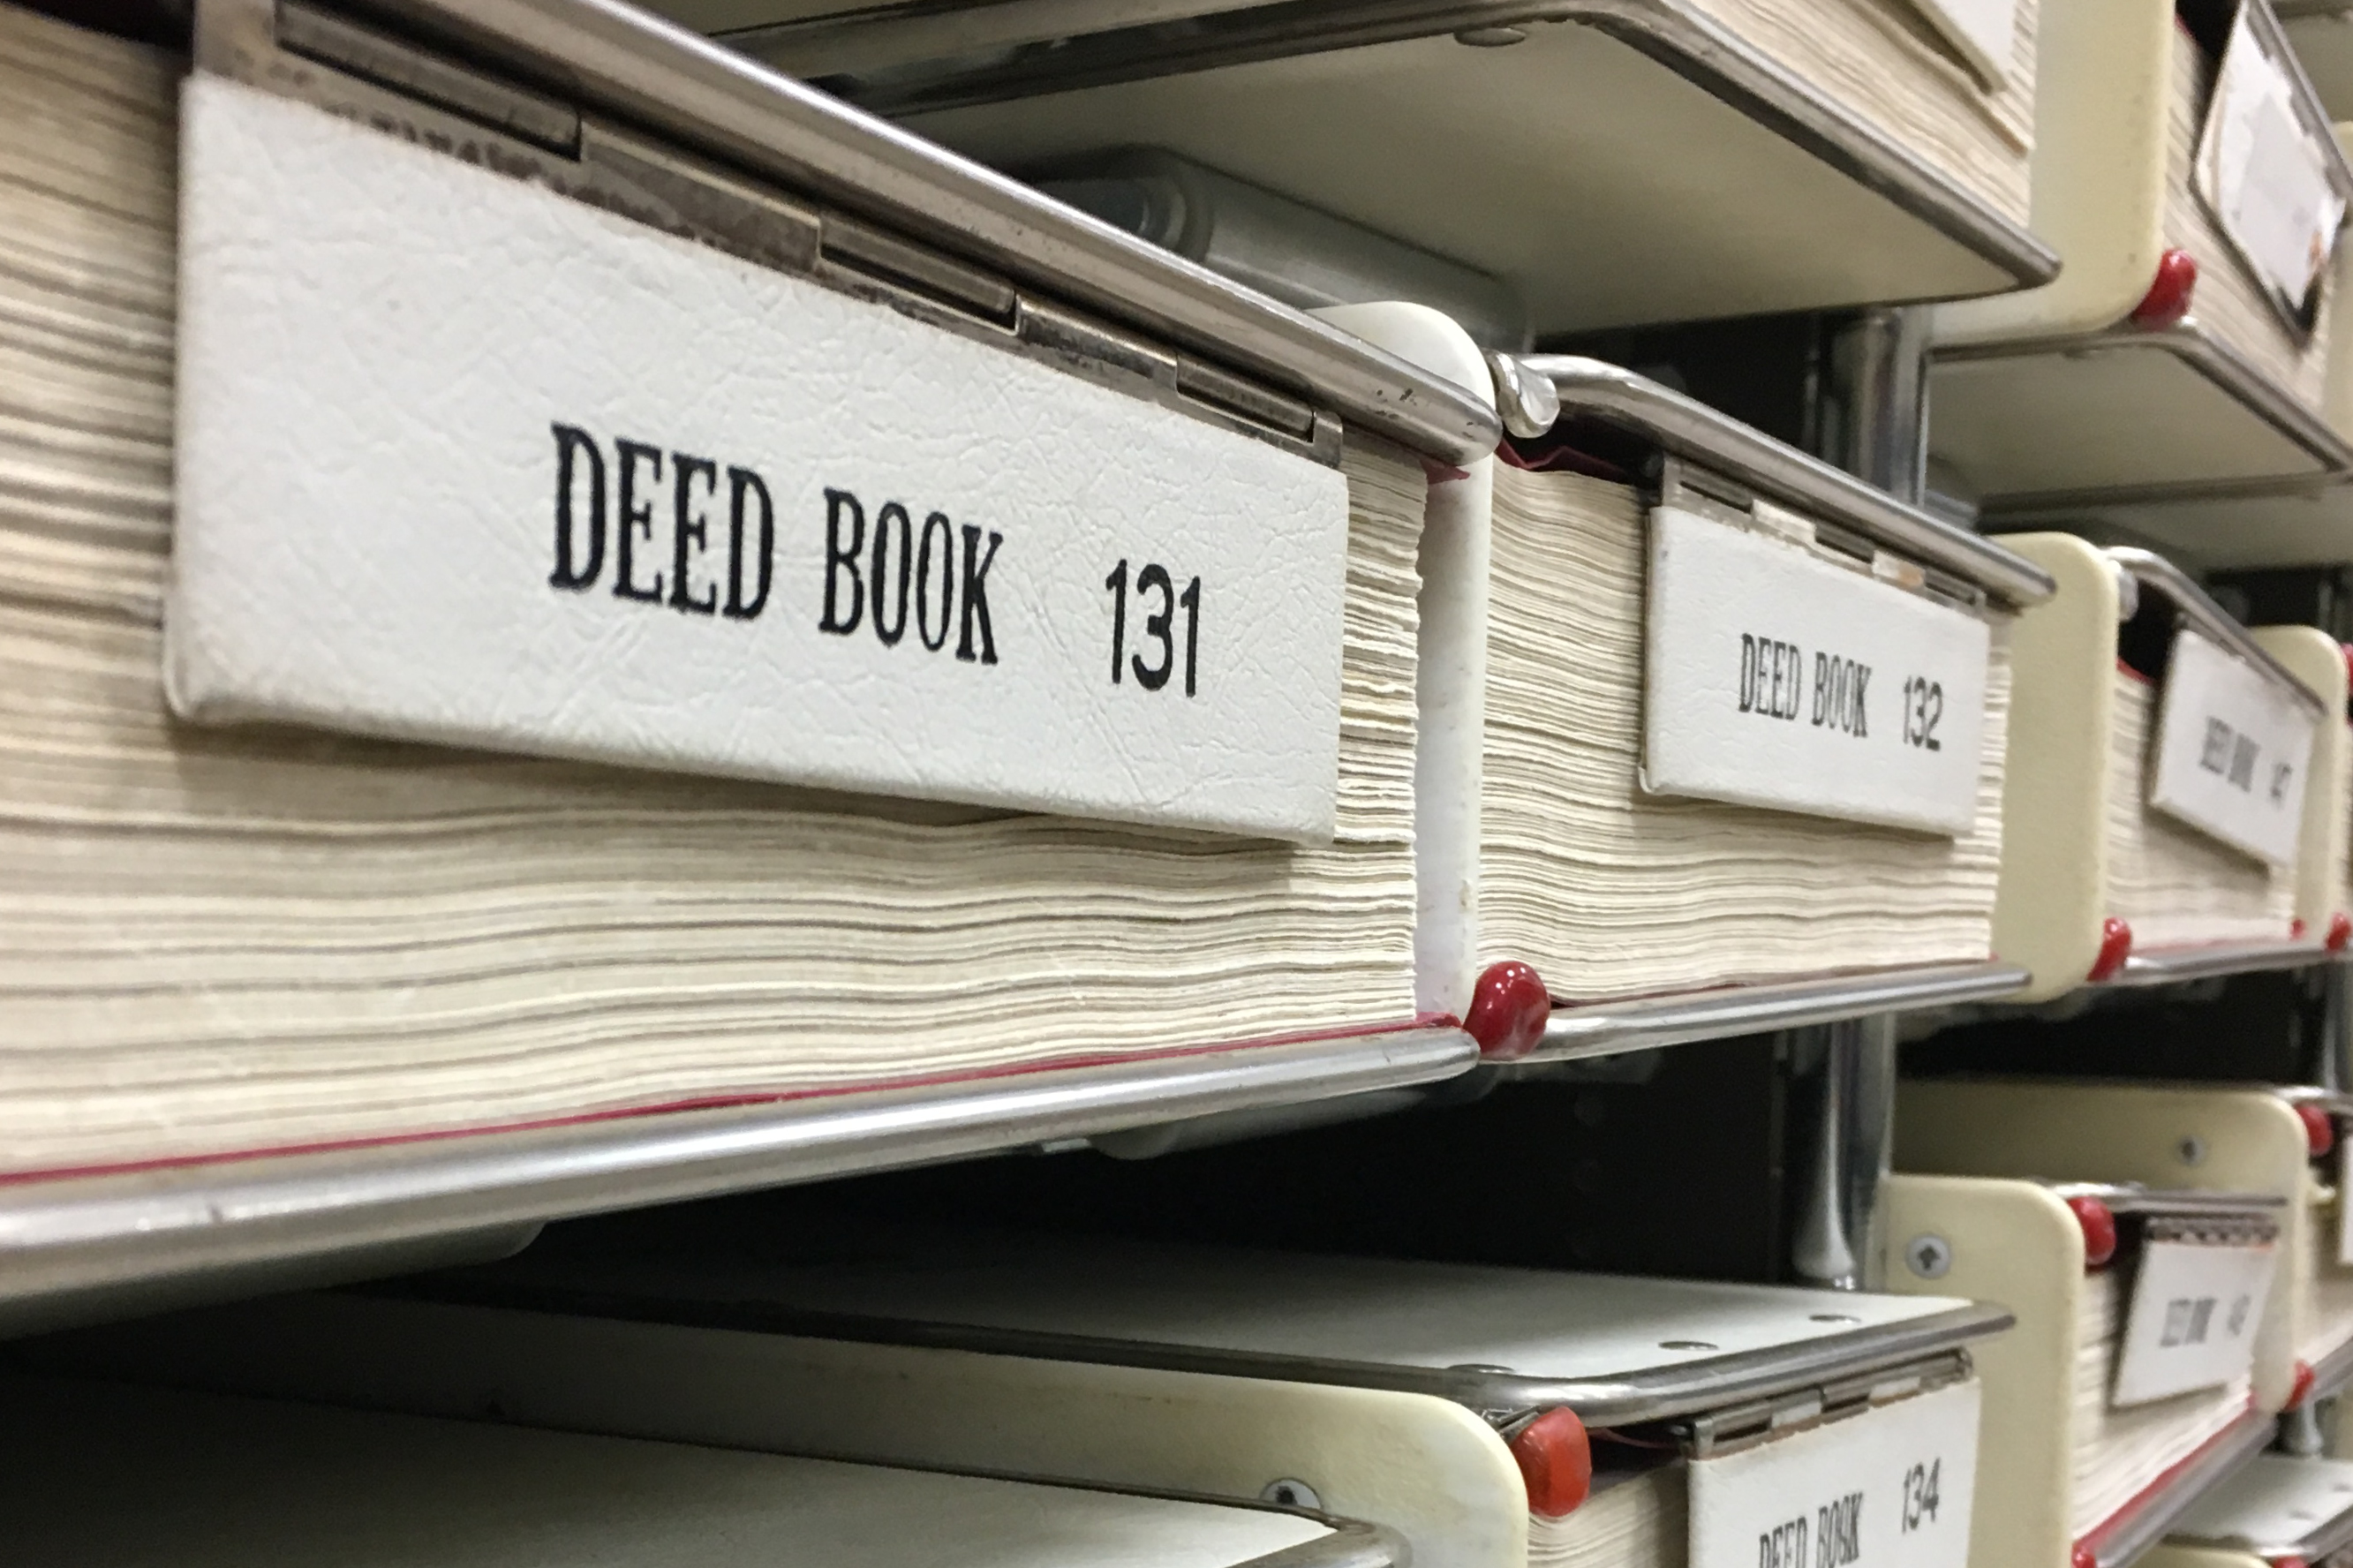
(1929, 1256)
(1288, 1493)
(2190, 1151)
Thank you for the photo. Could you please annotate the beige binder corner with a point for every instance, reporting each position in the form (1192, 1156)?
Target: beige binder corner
(2229, 1140)
(2015, 1243)
(2101, 94)
(2048, 911)
(2317, 660)
(1424, 1467)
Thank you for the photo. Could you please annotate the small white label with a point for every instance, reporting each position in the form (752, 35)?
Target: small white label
(2263, 173)
(1887, 1489)
(1984, 31)
(2232, 749)
(2195, 1306)
(461, 460)
(1777, 679)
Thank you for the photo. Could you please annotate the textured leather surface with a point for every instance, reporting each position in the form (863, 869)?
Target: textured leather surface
(382, 349)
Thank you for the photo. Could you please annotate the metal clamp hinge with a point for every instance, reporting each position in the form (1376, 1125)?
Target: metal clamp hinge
(1739, 1427)
(1687, 485)
(470, 110)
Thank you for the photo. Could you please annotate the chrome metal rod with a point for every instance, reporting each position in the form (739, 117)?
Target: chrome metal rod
(83, 1236)
(1880, 363)
(2167, 966)
(1603, 1028)
(1684, 426)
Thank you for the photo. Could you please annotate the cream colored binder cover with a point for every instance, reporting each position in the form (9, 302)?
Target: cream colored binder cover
(2167, 1137)
(1587, 1375)
(110, 1474)
(1424, 1467)
(2065, 1471)
(2091, 869)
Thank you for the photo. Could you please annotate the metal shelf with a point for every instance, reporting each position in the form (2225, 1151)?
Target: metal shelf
(911, 60)
(2309, 448)
(1605, 1028)
(84, 1247)
(2143, 1521)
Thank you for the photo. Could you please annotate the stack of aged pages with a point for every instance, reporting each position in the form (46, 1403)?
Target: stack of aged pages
(227, 939)
(1609, 890)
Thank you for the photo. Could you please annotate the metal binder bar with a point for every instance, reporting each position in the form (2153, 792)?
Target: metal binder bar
(67, 1246)
(2144, 1521)
(610, 58)
(2231, 372)
(947, 59)
(1605, 1028)
(2131, 1198)
(2169, 966)
(1685, 427)
(2198, 609)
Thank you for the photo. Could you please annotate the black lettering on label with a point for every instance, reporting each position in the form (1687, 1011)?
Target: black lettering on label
(2214, 750)
(575, 447)
(1839, 695)
(1773, 678)
(689, 531)
(936, 641)
(1837, 1532)
(742, 483)
(975, 595)
(840, 557)
(692, 579)
(636, 519)
(1783, 1546)
(892, 515)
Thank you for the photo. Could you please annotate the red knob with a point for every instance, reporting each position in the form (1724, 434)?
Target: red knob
(2289, 1563)
(2300, 1389)
(2319, 1131)
(2098, 1223)
(1508, 1009)
(2167, 300)
(1555, 1461)
(2116, 946)
(2083, 1556)
(2295, 928)
(2340, 931)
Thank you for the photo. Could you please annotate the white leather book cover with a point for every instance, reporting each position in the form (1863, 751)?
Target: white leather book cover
(464, 460)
